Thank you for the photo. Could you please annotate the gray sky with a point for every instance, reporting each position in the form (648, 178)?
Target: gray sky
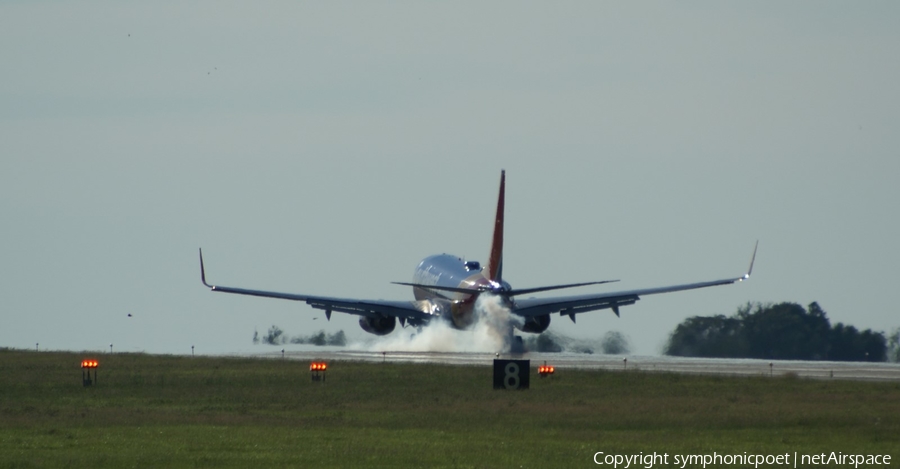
(326, 148)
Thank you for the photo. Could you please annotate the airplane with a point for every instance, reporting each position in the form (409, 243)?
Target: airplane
(446, 287)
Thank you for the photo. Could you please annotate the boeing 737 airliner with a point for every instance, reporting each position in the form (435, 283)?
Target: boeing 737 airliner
(446, 287)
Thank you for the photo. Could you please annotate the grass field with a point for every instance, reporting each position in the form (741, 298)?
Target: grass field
(173, 411)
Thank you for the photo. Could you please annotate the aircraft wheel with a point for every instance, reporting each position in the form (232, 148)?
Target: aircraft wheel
(517, 345)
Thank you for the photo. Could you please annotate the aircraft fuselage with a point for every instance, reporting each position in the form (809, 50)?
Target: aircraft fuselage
(446, 270)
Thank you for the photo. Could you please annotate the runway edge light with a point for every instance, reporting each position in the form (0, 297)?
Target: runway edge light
(546, 370)
(86, 367)
(317, 370)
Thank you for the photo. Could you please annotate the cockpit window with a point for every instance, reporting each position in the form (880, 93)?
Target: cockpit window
(473, 265)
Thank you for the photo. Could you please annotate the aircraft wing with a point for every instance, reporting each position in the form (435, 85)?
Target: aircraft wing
(572, 305)
(404, 310)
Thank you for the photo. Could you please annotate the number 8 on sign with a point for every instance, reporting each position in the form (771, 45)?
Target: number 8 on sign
(511, 374)
(511, 378)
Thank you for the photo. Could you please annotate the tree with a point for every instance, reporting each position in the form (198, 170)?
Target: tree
(317, 338)
(338, 338)
(715, 336)
(320, 338)
(615, 343)
(787, 331)
(275, 336)
(545, 342)
(848, 344)
(894, 346)
(783, 331)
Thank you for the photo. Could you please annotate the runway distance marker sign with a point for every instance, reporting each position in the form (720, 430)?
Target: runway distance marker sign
(511, 374)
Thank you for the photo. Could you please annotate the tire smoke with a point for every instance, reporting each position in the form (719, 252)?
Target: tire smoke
(491, 332)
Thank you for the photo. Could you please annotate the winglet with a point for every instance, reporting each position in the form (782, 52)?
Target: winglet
(495, 261)
(203, 271)
(752, 260)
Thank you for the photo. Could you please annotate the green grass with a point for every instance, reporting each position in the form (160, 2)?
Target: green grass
(168, 411)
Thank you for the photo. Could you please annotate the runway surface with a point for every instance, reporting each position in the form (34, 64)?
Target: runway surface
(562, 361)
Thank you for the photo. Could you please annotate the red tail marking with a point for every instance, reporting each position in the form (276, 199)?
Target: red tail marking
(496, 258)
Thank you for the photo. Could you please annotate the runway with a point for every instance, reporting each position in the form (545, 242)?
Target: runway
(562, 361)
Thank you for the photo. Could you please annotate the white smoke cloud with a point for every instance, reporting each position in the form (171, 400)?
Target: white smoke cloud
(491, 332)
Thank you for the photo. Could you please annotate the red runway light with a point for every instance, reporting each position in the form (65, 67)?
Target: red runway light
(315, 368)
(89, 363)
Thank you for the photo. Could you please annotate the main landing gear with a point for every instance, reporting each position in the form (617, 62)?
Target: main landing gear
(514, 342)
(517, 346)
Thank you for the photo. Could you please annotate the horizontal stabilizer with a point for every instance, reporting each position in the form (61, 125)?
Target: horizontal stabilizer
(486, 288)
(437, 287)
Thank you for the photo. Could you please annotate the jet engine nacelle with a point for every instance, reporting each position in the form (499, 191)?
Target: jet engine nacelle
(378, 325)
(536, 324)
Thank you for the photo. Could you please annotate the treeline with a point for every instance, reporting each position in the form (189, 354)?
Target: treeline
(783, 331)
(613, 343)
(276, 336)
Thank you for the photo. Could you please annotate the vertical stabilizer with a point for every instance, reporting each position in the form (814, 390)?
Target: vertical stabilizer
(495, 261)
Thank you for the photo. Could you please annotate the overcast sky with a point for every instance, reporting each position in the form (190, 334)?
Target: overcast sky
(326, 148)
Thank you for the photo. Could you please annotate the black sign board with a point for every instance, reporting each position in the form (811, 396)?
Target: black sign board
(511, 374)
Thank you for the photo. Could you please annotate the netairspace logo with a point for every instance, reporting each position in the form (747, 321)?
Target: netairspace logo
(647, 461)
